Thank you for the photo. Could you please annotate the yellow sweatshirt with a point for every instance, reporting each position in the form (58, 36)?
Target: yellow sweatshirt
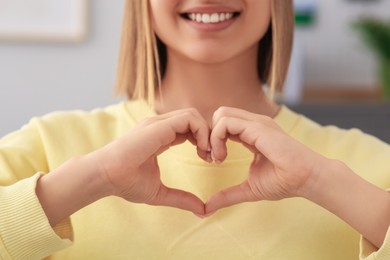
(112, 228)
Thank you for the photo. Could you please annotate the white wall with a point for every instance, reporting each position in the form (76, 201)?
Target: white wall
(332, 51)
(39, 78)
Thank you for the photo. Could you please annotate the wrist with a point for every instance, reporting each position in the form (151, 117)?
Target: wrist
(323, 176)
(359, 203)
(69, 188)
(96, 185)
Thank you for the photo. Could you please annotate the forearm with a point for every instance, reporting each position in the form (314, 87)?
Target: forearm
(70, 188)
(359, 203)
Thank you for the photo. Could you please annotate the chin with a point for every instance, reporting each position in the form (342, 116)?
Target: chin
(210, 57)
(210, 60)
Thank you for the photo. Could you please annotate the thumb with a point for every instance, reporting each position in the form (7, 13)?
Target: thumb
(231, 196)
(179, 199)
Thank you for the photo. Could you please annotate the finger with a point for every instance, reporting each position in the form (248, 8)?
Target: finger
(237, 139)
(152, 120)
(200, 131)
(188, 122)
(230, 196)
(268, 127)
(157, 134)
(228, 112)
(238, 129)
(181, 138)
(234, 112)
(185, 117)
(204, 154)
(179, 199)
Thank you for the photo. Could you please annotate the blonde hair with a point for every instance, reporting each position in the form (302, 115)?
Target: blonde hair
(142, 57)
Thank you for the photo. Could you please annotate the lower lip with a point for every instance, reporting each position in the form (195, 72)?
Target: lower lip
(211, 27)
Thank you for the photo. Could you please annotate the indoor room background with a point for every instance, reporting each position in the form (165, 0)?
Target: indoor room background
(333, 76)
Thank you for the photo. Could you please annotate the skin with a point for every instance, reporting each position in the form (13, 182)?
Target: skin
(220, 99)
(204, 65)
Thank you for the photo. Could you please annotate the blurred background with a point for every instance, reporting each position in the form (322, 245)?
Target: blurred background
(38, 76)
(62, 54)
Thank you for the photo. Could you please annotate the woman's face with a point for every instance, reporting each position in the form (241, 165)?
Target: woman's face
(210, 31)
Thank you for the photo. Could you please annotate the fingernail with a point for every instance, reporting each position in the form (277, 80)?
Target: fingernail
(215, 160)
(209, 159)
(212, 156)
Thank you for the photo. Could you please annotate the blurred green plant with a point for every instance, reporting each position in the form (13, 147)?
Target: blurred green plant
(376, 35)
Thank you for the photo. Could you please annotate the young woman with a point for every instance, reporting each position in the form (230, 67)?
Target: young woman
(199, 134)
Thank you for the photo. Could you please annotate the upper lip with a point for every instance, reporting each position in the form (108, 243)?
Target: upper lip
(210, 9)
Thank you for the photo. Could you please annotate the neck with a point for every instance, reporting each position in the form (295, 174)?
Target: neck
(207, 87)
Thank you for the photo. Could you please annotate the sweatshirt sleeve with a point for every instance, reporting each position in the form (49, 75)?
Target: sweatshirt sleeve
(25, 232)
(369, 252)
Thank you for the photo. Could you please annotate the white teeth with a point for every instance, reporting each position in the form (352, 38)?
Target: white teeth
(198, 18)
(214, 18)
(222, 17)
(210, 18)
(205, 18)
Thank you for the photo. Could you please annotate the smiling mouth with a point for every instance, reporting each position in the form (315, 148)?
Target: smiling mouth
(208, 18)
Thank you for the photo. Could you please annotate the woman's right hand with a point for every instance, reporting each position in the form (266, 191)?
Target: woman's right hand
(130, 164)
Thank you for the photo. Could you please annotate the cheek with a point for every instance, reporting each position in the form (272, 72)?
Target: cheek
(154, 13)
(163, 17)
(260, 20)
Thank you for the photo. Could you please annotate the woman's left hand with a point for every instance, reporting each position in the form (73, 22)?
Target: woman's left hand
(282, 166)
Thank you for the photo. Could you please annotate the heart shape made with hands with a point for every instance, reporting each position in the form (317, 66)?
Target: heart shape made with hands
(271, 175)
(232, 194)
(280, 167)
(246, 191)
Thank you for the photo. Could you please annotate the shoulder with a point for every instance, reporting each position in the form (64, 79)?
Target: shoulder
(103, 114)
(118, 116)
(102, 124)
(47, 141)
(364, 153)
(311, 132)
